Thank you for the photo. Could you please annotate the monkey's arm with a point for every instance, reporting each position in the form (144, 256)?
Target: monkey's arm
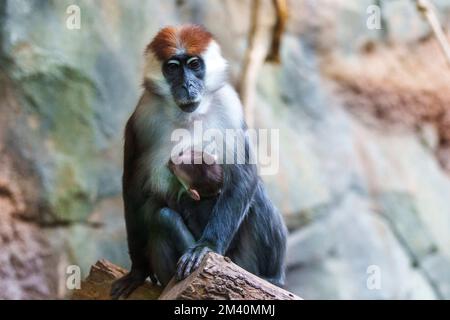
(240, 181)
(135, 224)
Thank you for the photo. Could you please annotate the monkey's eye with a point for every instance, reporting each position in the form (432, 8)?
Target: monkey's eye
(193, 63)
(173, 65)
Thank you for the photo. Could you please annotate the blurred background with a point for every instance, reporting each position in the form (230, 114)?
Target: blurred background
(363, 113)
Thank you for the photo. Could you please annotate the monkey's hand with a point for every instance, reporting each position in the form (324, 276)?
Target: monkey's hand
(191, 260)
(125, 286)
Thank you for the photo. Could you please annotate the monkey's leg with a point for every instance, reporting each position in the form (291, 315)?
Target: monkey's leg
(270, 236)
(137, 234)
(260, 243)
(170, 239)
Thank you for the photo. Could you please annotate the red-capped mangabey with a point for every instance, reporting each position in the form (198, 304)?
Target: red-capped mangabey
(185, 82)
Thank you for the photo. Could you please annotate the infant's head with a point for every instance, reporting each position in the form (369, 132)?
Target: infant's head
(199, 173)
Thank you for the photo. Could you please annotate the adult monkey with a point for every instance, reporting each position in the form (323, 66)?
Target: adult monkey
(185, 81)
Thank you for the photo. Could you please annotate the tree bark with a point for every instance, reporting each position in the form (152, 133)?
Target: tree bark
(217, 278)
(98, 284)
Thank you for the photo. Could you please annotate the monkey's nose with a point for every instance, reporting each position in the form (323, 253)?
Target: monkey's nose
(186, 89)
(188, 85)
(189, 89)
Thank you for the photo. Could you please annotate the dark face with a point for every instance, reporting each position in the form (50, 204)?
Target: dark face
(185, 75)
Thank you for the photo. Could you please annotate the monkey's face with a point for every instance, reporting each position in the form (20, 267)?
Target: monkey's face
(185, 75)
(184, 64)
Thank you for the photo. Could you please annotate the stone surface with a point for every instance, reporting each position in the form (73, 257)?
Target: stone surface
(337, 254)
(436, 268)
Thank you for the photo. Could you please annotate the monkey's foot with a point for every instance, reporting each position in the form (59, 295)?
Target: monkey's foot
(191, 261)
(125, 286)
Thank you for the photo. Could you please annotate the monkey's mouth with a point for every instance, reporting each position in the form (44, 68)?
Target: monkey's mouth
(189, 107)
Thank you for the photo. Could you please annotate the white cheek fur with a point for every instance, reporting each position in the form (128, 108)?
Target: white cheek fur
(153, 73)
(216, 67)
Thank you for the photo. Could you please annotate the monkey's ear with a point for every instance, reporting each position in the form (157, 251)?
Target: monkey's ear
(194, 194)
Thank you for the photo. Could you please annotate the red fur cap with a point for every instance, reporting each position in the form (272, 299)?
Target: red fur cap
(193, 39)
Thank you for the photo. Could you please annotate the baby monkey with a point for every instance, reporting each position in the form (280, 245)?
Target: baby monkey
(198, 173)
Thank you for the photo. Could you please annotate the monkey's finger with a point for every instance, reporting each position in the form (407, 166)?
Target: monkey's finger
(117, 293)
(117, 289)
(130, 289)
(188, 266)
(114, 295)
(200, 257)
(153, 278)
(181, 266)
(195, 261)
(113, 292)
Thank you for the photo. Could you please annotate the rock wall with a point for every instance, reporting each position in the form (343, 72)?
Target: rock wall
(362, 118)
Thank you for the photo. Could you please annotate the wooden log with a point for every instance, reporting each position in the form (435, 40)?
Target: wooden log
(98, 284)
(218, 278)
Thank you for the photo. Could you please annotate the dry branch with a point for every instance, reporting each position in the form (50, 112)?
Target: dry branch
(281, 9)
(253, 60)
(426, 8)
(264, 42)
